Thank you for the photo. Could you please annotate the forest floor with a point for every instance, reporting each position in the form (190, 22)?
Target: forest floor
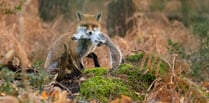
(142, 77)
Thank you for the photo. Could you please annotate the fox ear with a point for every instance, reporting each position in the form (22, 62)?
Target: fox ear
(79, 15)
(98, 16)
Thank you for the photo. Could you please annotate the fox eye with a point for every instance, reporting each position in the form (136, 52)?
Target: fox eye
(94, 26)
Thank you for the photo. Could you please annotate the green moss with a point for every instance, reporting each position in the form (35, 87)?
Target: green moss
(99, 71)
(7, 75)
(148, 78)
(6, 85)
(135, 58)
(38, 80)
(103, 89)
(163, 68)
(137, 80)
(124, 68)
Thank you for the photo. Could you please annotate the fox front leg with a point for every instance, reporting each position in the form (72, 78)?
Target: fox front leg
(92, 56)
(95, 58)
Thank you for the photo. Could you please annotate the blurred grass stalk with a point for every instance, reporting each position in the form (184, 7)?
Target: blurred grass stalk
(22, 38)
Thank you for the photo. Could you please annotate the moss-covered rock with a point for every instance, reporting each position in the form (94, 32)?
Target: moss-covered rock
(103, 89)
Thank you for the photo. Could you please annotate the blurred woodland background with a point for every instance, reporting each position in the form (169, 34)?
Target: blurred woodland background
(160, 27)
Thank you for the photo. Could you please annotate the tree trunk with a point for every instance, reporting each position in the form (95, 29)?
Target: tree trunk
(120, 17)
(50, 9)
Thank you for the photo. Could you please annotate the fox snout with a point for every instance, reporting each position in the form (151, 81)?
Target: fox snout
(89, 32)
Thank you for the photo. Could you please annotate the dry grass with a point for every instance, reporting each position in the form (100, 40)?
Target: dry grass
(172, 87)
(11, 47)
(181, 91)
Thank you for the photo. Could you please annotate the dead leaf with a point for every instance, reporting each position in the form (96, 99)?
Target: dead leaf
(117, 100)
(2, 94)
(44, 95)
(125, 99)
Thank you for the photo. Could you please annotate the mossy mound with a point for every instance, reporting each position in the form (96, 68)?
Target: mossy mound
(103, 89)
(129, 79)
(101, 86)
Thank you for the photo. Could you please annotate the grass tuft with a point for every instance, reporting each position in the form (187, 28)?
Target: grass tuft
(136, 57)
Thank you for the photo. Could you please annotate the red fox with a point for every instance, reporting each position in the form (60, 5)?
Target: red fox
(82, 44)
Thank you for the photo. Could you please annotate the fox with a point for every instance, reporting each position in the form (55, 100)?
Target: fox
(82, 43)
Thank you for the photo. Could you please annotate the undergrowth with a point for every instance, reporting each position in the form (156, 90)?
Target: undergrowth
(6, 84)
(130, 79)
(11, 82)
(135, 58)
(200, 58)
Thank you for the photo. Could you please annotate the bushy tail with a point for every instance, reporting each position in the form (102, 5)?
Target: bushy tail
(115, 53)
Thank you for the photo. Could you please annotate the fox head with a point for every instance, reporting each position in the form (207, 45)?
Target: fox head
(90, 22)
(89, 28)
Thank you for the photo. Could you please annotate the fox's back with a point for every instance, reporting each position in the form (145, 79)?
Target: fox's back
(56, 49)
